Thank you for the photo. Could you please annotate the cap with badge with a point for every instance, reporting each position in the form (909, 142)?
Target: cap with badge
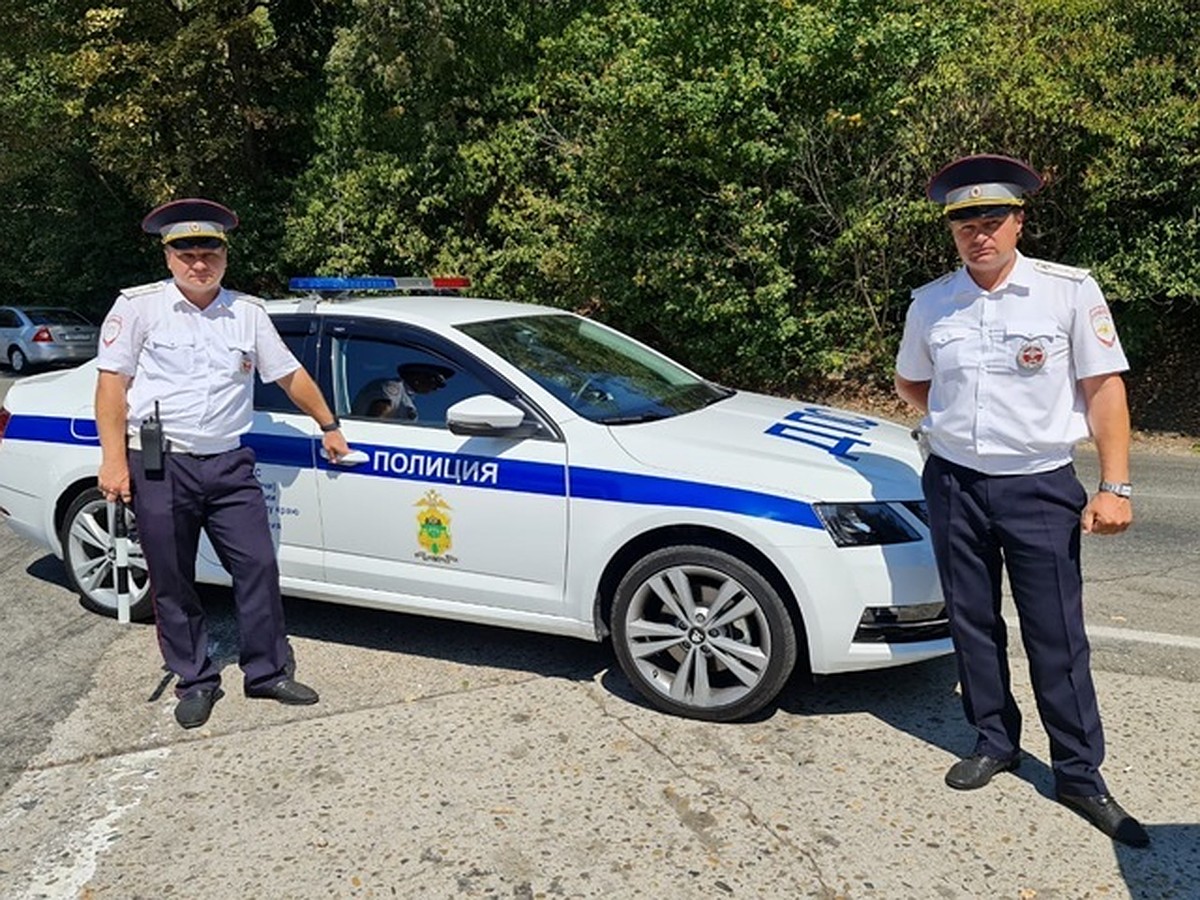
(983, 185)
(391, 398)
(191, 223)
(429, 374)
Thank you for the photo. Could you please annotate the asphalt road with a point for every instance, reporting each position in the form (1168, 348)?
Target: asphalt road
(450, 760)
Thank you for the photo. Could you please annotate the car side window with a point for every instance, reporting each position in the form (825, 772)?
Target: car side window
(9, 319)
(398, 382)
(271, 397)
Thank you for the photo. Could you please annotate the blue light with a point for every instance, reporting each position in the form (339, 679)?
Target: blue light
(337, 283)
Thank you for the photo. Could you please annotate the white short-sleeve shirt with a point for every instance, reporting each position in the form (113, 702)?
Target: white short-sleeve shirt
(198, 364)
(1004, 365)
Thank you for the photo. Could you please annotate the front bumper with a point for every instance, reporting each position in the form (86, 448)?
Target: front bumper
(903, 624)
(869, 607)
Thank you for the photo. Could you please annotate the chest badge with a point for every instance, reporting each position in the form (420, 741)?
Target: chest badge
(247, 364)
(1031, 356)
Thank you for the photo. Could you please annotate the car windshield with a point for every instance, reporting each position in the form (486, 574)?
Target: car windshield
(599, 373)
(56, 317)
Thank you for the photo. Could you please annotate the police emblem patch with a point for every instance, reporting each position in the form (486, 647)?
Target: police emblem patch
(433, 528)
(1102, 325)
(1031, 356)
(111, 330)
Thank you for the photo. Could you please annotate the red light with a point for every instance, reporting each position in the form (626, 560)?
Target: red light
(450, 282)
(5, 415)
(43, 336)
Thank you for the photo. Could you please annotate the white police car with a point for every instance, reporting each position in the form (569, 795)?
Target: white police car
(526, 467)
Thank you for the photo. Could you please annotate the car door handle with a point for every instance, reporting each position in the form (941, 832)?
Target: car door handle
(353, 458)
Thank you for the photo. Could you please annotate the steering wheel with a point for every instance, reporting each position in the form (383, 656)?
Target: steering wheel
(578, 395)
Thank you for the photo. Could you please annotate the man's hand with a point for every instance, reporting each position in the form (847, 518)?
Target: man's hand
(1107, 513)
(335, 445)
(113, 480)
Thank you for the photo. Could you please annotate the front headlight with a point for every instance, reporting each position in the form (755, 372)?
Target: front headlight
(862, 524)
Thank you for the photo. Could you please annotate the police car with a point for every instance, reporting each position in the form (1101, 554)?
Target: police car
(521, 466)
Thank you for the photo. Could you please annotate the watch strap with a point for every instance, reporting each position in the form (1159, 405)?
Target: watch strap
(332, 426)
(1120, 488)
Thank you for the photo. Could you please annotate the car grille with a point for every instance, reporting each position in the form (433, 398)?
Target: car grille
(903, 624)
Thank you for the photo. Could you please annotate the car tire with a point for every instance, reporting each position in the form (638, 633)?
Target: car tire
(87, 554)
(701, 634)
(17, 360)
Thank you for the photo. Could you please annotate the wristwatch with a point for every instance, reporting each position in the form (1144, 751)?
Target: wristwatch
(332, 426)
(1120, 488)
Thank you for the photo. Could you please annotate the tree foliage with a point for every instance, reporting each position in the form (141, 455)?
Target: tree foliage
(737, 181)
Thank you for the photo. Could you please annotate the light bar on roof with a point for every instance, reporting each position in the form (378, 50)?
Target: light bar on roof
(450, 282)
(376, 283)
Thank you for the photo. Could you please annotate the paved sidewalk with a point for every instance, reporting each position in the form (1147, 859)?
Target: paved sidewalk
(447, 760)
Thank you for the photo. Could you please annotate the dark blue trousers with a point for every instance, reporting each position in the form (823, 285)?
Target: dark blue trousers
(1028, 525)
(221, 495)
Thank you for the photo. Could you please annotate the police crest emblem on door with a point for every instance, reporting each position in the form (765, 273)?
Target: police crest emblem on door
(433, 528)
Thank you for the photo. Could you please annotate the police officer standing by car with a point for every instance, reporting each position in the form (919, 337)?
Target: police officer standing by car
(174, 395)
(1013, 360)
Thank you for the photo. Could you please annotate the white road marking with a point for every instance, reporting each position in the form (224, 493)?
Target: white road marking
(1126, 634)
(69, 862)
(1144, 637)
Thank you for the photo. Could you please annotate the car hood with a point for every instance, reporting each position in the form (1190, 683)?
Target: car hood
(788, 447)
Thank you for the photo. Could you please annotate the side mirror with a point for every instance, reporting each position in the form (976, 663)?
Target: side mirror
(486, 416)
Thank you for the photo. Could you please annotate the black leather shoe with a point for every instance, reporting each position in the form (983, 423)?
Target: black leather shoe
(193, 710)
(288, 691)
(977, 770)
(1106, 814)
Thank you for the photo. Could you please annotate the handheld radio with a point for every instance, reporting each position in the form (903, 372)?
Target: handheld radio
(152, 444)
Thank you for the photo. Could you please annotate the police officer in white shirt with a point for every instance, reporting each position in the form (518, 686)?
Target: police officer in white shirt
(393, 398)
(1012, 361)
(180, 355)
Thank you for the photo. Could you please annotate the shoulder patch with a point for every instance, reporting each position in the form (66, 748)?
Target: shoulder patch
(1061, 271)
(143, 290)
(1102, 325)
(936, 283)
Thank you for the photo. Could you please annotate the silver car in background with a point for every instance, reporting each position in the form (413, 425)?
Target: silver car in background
(44, 336)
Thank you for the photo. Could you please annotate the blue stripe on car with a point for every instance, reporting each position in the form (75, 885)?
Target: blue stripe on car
(486, 472)
(52, 430)
(623, 487)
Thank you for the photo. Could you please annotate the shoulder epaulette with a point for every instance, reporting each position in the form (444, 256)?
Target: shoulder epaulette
(142, 290)
(248, 298)
(937, 282)
(1059, 270)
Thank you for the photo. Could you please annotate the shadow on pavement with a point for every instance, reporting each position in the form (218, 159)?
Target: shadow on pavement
(460, 642)
(1168, 868)
(48, 568)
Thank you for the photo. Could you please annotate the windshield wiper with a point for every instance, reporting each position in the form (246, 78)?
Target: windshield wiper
(630, 420)
(723, 393)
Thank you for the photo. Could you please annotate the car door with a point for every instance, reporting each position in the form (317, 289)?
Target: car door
(432, 515)
(285, 441)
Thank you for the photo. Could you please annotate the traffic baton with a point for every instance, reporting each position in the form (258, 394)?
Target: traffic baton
(120, 539)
